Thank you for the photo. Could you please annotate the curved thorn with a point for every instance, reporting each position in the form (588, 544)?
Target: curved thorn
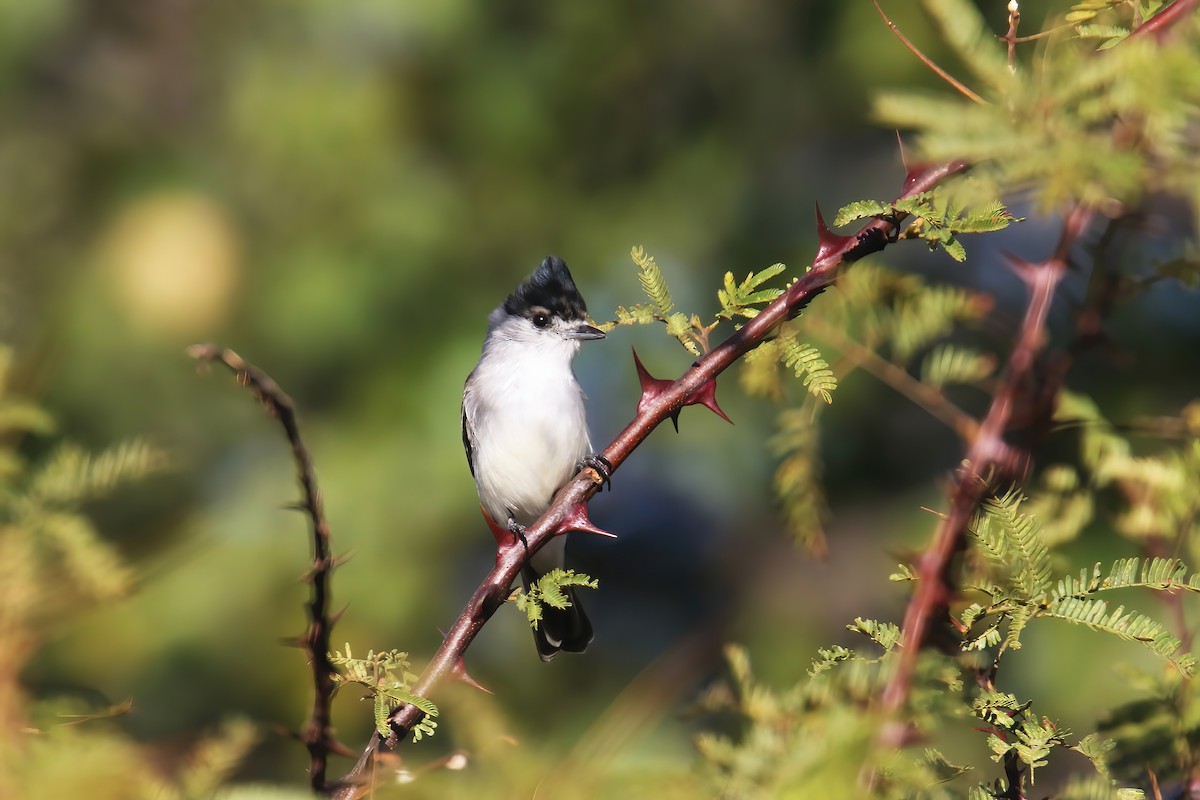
(652, 387)
(706, 396)
(828, 242)
(577, 520)
(460, 673)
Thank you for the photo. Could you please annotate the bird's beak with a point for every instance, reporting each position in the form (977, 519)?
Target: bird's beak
(585, 331)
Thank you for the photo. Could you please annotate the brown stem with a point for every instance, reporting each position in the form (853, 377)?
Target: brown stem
(1160, 25)
(873, 237)
(921, 394)
(962, 88)
(1010, 38)
(317, 735)
(989, 454)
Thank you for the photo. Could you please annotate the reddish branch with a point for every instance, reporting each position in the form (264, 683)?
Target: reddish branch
(317, 734)
(1161, 23)
(988, 458)
(664, 402)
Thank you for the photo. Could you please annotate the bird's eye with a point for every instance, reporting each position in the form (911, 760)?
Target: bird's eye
(541, 321)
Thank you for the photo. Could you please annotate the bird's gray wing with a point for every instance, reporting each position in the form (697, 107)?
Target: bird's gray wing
(467, 433)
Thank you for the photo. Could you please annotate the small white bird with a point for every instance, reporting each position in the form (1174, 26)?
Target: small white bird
(525, 427)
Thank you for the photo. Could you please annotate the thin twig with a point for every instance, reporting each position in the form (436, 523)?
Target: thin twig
(962, 88)
(921, 394)
(1010, 38)
(491, 593)
(317, 734)
(1033, 37)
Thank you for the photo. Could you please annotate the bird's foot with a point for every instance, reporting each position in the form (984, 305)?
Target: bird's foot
(518, 530)
(601, 465)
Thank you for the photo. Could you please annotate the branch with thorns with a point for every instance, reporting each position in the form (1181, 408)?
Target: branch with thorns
(660, 400)
(988, 459)
(317, 734)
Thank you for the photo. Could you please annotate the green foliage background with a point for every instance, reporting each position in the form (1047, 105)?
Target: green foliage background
(342, 192)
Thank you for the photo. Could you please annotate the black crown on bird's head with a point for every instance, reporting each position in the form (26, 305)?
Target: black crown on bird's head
(551, 288)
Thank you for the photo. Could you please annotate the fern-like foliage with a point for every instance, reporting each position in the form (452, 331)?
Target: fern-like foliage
(1093, 19)
(215, 759)
(891, 315)
(548, 591)
(884, 634)
(1159, 730)
(72, 475)
(653, 283)
(1094, 613)
(1048, 124)
(1011, 542)
(741, 299)
(687, 330)
(808, 741)
(737, 300)
(808, 364)
(797, 479)
(388, 678)
(936, 218)
(44, 535)
(1157, 490)
(949, 364)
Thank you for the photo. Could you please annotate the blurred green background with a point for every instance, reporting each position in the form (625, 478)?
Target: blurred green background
(341, 192)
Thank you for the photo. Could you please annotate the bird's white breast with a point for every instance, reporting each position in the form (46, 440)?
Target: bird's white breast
(530, 428)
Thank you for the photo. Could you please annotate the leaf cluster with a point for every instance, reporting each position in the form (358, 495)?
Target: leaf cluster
(1016, 575)
(737, 299)
(388, 678)
(1047, 125)
(43, 532)
(54, 565)
(878, 317)
(548, 590)
(936, 218)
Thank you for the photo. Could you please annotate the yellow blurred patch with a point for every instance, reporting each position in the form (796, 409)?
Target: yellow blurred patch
(174, 262)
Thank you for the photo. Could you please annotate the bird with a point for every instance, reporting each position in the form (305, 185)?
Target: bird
(524, 427)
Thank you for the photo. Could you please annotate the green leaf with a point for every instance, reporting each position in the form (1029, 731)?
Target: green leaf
(884, 634)
(548, 591)
(861, 209)
(652, 281)
(947, 364)
(93, 565)
(1130, 626)
(73, 475)
(640, 314)
(740, 299)
(679, 326)
(1010, 538)
(808, 363)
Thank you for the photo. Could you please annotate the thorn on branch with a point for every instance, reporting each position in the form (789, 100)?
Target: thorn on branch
(576, 519)
(653, 388)
(660, 400)
(706, 396)
(316, 736)
(828, 242)
(460, 673)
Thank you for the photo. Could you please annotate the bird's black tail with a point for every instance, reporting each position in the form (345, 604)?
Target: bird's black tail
(560, 628)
